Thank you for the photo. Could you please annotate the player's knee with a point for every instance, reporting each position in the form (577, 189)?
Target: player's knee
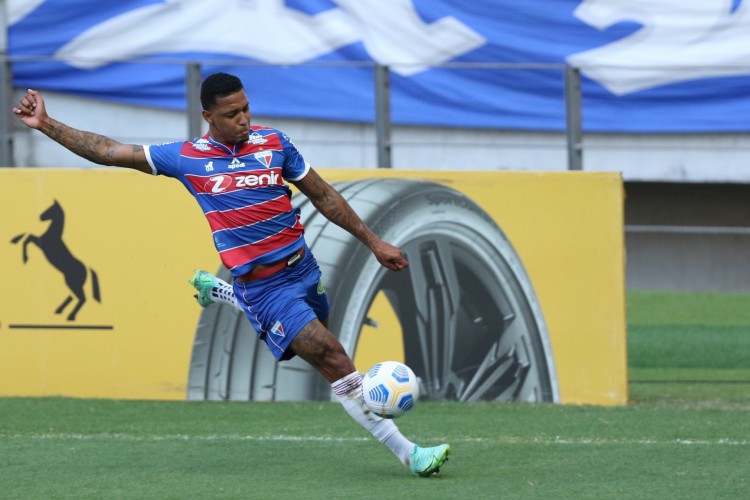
(331, 351)
(319, 347)
(320, 352)
(334, 359)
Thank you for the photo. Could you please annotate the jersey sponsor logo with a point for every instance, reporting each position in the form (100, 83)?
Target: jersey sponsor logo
(231, 182)
(271, 142)
(202, 145)
(219, 183)
(235, 164)
(265, 157)
(256, 138)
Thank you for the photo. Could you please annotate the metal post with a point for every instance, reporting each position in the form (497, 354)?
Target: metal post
(573, 121)
(193, 81)
(6, 84)
(383, 115)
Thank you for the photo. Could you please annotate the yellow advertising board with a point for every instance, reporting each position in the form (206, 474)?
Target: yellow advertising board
(127, 243)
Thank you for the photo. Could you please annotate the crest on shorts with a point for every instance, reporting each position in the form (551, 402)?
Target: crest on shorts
(278, 329)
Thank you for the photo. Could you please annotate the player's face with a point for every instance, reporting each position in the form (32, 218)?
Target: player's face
(229, 120)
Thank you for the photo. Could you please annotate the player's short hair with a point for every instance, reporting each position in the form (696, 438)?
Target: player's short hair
(218, 85)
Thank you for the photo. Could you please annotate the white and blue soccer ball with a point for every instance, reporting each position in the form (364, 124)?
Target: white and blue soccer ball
(390, 389)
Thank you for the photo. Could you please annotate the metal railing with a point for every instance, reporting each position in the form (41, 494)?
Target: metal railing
(382, 90)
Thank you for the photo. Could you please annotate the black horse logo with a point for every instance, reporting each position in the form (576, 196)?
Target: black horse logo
(58, 254)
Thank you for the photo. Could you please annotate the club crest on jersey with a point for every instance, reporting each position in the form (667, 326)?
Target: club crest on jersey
(210, 166)
(265, 157)
(202, 145)
(278, 329)
(256, 138)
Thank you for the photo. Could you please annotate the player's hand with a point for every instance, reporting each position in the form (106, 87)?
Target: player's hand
(30, 109)
(389, 256)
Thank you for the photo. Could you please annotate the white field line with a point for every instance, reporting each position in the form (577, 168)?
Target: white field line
(557, 440)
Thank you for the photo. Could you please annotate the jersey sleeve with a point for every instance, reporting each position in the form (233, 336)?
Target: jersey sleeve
(164, 158)
(295, 167)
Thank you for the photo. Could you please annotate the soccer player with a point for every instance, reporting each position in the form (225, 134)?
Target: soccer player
(236, 172)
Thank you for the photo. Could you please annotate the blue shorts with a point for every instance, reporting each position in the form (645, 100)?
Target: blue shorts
(280, 305)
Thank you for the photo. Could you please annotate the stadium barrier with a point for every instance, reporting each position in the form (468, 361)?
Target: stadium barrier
(127, 244)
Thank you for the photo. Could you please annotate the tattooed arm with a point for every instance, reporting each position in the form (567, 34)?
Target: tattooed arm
(336, 209)
(93, 147)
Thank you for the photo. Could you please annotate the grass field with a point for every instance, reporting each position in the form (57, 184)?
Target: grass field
(686, 434)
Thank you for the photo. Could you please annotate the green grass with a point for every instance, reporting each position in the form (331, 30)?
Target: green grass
(63, 448)
(698, 330)
(692, 348)
(706, 309)
(686, 434)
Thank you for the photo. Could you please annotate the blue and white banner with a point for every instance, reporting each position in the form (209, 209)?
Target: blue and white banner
(647, 65)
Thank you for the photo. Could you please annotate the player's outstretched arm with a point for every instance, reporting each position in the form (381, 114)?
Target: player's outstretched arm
(93, 147)
(335, 208)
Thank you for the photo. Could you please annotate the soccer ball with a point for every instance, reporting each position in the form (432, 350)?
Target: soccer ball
(390, 389)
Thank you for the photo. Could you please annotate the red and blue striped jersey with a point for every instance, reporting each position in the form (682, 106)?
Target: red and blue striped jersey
(241, 191)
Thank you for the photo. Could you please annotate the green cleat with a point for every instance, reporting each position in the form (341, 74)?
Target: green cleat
(203, 282)
(427, 461)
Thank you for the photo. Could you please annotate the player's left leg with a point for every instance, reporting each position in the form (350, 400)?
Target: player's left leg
(212, 289)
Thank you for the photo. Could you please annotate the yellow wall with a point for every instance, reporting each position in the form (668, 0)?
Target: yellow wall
(144, 236)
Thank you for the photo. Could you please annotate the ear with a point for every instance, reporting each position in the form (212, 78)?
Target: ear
(207, 117)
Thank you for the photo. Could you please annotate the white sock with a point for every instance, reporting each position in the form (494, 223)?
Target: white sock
(224, 293)
(349, 392)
